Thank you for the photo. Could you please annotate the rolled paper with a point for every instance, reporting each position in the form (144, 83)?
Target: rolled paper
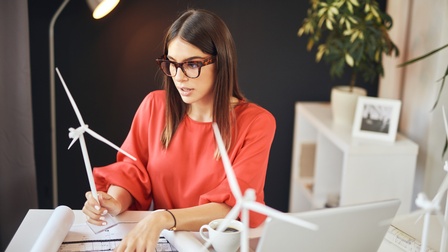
(54, 232)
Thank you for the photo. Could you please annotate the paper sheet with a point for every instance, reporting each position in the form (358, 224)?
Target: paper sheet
(61, 235)
(81, 238)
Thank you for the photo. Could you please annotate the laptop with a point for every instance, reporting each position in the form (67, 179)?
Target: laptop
(352, 228)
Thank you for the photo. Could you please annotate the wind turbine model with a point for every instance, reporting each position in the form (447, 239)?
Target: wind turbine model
(433, 206)
(443, 189)
(78, 133)
(247, 202)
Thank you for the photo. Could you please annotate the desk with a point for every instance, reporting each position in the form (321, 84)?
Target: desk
(35, 220)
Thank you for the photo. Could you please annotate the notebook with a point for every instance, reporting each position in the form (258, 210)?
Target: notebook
(352, 228)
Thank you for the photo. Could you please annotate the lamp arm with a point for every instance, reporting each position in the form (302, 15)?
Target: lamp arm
(54, 166)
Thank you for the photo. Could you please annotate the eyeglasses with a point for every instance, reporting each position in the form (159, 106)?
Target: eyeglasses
(192, 69)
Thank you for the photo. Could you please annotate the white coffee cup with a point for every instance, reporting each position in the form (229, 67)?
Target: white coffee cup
(226, 241)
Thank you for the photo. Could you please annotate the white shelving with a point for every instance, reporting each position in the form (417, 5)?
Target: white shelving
(331, 167)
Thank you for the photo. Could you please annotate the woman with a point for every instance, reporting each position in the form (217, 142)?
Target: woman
(178, 168)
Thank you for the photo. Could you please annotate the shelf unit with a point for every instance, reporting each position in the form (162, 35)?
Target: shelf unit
(330, 168)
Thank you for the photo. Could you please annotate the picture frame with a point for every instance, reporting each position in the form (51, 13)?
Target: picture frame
(376, 118)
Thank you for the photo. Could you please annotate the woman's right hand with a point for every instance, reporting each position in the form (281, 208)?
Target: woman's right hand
(95, 211)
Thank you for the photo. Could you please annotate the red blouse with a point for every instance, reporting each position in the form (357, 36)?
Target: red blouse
(187, 173)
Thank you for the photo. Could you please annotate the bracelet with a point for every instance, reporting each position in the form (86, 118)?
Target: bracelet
(175, 222)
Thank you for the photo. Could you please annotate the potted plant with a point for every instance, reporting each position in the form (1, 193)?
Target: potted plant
(349, 35)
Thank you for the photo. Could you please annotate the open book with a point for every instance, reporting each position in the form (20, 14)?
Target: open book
(404, 240)
(406, 232)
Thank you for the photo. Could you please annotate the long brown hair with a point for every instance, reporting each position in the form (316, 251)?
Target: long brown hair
(209, 33)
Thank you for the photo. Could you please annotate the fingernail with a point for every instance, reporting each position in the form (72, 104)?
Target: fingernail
(104, 212)
(102, 218)
(97, 208)
(104, 223)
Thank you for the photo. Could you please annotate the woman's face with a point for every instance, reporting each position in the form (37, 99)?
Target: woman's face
(197, 91)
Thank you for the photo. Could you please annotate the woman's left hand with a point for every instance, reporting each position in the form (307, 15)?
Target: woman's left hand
(145, 235)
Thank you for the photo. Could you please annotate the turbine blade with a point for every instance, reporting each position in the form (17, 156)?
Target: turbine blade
(223, 225)
(406, 217)
(420, 216)
(72, 101)
(263, 209)
(104, 140)
(442, 190)
(441, 220)
(232, 215)
(234, 187)
(72, 142)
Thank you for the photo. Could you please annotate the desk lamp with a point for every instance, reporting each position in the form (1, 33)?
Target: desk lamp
(100, 8)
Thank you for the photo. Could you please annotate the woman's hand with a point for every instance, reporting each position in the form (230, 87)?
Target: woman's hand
(145, 235)
(95, 211)
(115, 201)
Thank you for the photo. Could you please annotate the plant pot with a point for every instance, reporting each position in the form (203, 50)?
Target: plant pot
(343, 103)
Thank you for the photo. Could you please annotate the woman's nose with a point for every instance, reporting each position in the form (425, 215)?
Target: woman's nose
(180, 75)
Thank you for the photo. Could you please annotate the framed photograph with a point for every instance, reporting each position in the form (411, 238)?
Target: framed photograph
(376, 118)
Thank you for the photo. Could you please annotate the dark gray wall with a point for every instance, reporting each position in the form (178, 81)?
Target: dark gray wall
(109, 67)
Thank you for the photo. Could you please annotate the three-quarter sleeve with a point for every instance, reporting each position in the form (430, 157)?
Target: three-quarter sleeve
(125, 172)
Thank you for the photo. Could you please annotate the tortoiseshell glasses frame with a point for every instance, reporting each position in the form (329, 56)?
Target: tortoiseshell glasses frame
(191, 68)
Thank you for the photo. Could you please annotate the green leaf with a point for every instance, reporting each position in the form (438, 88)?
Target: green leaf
(349, 60)
(350, 7)
(320, 52)
(422, 57)
(355, 2)
(334, 10)
(440, 89)
(329, 24)
(367, 8)
(321, 12)
(445, 148)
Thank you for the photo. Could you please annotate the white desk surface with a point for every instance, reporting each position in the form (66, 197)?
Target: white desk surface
(35, 221)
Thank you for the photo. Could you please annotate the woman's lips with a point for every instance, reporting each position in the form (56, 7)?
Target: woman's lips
(185, 91)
